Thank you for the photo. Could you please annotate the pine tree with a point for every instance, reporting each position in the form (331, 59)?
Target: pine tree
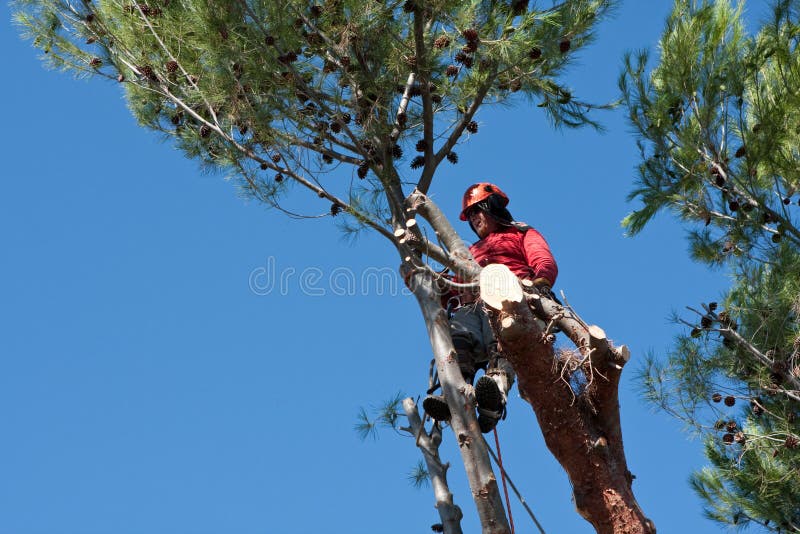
(295, 95)
(718, 121)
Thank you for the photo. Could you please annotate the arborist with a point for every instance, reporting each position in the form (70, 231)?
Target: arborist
(526, 253)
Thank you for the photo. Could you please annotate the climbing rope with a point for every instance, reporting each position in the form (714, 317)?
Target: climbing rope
(505, 476)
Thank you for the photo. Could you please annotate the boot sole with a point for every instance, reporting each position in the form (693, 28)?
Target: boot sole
(488, 396)
(436, 407)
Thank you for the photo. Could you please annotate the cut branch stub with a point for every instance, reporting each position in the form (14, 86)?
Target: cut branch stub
(500, 288)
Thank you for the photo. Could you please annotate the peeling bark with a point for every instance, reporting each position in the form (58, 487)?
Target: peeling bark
(582, 430)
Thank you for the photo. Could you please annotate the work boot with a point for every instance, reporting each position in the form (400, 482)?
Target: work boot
(436, 407)
(491, 400)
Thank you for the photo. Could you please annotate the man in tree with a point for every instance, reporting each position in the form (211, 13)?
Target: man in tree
(523, 250)
(276, 92)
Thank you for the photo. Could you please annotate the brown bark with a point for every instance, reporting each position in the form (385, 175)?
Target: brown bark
(581, 430)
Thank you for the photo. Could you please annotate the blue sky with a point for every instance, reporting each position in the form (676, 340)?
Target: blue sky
(147, 387)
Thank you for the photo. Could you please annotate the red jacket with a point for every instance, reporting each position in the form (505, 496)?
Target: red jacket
(520, 248)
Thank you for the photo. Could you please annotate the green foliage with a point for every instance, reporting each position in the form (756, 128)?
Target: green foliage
(385, 415)
(273, 92)
(419, 476)
(718, 127)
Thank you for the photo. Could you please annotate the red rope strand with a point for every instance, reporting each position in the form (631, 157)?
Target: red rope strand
(503, 476)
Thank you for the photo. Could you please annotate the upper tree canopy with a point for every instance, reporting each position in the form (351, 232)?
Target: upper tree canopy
(275, 91)
(719, 124)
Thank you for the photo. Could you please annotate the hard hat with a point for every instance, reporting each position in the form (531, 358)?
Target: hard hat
(478, 192)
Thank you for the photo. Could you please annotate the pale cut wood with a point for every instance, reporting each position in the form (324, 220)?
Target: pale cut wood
(500, 287)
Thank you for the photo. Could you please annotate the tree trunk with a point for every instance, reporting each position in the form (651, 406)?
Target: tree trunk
(449, 513)
(460, 399)
(582, 429)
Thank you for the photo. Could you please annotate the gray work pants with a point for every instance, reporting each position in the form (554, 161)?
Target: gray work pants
(475, 343)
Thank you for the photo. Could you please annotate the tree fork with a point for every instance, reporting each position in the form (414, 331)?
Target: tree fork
(583, 432)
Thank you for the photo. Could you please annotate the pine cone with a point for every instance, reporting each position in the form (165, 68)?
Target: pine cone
(741, 151)
(421, 145)
(279, 177)
(470, 34)
(397, 151)
(472, 127)
(564, 46)
(730, 400)
(716, 397)
(451, 70)
(363, 168)
(417, 162)
(205, 131)
(442, 42)
(452, 157)
(148, 73)
(535, 53)
(519, 6)
(171, 66)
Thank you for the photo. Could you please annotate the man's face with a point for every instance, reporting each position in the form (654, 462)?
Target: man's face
(482, 222)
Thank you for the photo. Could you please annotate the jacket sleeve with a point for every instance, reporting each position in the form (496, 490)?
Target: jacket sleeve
(539, 257)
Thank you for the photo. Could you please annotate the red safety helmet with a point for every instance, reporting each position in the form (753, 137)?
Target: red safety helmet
(478, 192)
